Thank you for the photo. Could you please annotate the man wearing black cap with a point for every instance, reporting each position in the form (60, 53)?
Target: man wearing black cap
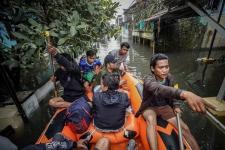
(110, 64)
(109, 67)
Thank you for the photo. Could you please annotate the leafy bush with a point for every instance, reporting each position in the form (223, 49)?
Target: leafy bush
(74, 26)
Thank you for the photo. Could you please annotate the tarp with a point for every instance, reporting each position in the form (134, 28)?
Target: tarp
(4, 37)
(141, 24)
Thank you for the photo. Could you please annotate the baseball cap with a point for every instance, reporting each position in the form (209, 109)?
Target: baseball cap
(109, 59)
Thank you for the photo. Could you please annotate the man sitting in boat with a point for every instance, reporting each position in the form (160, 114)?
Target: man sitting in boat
(109, 106)
(109, 67)
(69, 76)
(89, 66)
(121, 54)
(158, 95)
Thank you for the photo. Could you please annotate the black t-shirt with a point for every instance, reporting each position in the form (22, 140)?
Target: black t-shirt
(110, 110)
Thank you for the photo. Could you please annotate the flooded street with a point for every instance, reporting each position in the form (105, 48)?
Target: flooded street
(28, 133)
(188, 74)
(33, 35)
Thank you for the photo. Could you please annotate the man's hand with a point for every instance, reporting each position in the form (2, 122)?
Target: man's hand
(177, 110)
(88, 87)
(123, 82)
(195, 102)
(81, 144)
(122, 69)
(53, 78)
(52, 50)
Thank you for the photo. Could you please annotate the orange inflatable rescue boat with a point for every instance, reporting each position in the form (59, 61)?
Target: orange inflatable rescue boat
(166, 133)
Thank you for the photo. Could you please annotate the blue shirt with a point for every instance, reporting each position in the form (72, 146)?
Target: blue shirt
(85, 67)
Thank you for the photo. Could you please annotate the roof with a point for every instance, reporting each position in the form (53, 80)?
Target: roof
(157, 15)
(173, 13)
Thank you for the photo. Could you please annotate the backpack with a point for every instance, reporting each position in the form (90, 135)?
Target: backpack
(78, 115)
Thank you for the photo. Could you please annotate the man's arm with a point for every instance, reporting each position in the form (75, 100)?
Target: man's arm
(195, 102)
(69, 66)
(58, 102)
(152, 86)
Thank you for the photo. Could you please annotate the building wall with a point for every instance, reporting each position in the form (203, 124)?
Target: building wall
(219, 41)
(182, 34)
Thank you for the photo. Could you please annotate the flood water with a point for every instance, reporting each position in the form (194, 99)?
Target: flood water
(29, 132)
(188, 73)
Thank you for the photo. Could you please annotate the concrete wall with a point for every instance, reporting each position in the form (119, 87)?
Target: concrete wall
(32, 103)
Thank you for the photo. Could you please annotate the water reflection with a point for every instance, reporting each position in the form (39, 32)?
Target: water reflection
(29, 132)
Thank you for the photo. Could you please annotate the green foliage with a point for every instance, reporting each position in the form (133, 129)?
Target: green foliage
(78, 23)
(74, 26)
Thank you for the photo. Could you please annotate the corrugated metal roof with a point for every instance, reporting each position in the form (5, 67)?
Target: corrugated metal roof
(157, 15)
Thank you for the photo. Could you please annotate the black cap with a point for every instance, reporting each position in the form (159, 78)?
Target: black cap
(109, 59)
